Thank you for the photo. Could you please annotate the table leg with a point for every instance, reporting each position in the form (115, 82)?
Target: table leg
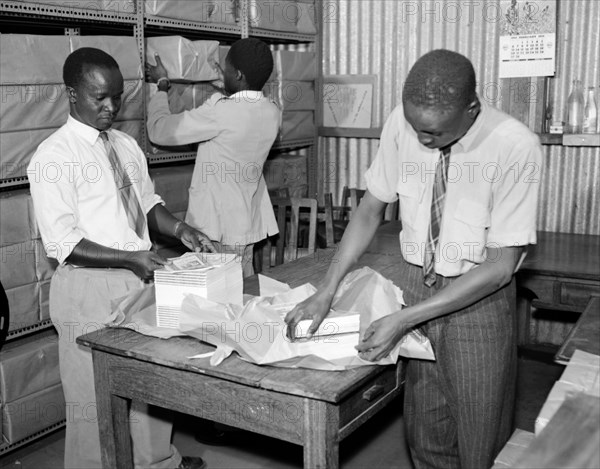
(113, 417)
(321, 435)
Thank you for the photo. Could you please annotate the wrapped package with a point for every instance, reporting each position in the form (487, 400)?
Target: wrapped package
(24, 306)
(44, 300)
(115, 6)
(17, 264)
(173, 184)
(44, 266)
(29, 367)
(284, 15)
(202, 11)
(294, 66)
(40, 58)
(185, 60)
(33, 413)
(513, 449)
(291, 95)
(582, 374)
(123, 49)
(18, 218)
(297, 125)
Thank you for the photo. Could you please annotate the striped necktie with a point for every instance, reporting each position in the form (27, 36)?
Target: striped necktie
(437, 207)
(135, 215)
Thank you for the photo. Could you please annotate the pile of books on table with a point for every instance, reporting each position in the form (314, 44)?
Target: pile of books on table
(216, 277)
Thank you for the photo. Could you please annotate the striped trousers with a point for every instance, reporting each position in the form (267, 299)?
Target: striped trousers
(459, 409)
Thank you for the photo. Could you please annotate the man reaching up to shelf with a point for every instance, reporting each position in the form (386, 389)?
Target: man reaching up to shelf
(96, 224)
(228, 198)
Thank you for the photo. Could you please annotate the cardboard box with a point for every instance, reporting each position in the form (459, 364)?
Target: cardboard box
(33, 413)
(28, 368)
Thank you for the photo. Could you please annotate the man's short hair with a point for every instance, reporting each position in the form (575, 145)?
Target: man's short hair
(254, 59)
(80, 60)
(440, 79)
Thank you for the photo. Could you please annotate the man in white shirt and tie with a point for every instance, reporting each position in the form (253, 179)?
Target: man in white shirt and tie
(94, 215)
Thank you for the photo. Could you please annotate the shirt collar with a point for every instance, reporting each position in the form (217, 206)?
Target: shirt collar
(469, 139)
(86, 132)
(248, 94)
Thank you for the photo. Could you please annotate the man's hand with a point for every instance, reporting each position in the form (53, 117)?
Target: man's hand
(382, 336)
(155, 72)
(315, 307)
(144, 263)
(194, 239)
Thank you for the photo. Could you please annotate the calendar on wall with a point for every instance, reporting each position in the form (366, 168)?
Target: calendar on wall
(527, 38)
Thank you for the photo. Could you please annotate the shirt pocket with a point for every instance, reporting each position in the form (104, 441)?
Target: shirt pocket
(471, 221)
(410, 196)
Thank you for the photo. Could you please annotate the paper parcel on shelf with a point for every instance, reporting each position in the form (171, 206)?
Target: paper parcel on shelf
(257, 331)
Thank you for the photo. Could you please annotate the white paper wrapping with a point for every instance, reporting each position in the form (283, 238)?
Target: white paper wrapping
(185, 60)
(205, 11)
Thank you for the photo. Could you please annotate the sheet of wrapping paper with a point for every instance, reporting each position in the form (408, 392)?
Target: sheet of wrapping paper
(582, 374)
(185, 60)
(258, 333)
(205, 11)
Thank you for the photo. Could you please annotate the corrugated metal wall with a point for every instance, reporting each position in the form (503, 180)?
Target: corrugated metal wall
(385, 37)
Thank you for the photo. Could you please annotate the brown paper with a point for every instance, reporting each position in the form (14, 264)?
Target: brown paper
(24, 307)
(17, 148)
(297, 125)
(17, 264)
(205, 11)
(291, 95)
(123, 49)
(44, 300)
(294, 66)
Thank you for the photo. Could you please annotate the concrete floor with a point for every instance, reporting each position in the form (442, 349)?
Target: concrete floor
(379, 443)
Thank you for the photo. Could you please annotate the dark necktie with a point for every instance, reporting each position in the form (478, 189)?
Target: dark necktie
(437, 207)
(135, 214)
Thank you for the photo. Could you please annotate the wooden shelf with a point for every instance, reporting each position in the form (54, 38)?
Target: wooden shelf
(571, 140)
(348, 132)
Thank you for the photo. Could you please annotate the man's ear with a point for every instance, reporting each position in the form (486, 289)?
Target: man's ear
(72, 94)
(474, 108)
(239, 75)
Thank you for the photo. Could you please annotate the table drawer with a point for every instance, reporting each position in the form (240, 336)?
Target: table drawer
(578, 294)
(543, 288)
(369, 395)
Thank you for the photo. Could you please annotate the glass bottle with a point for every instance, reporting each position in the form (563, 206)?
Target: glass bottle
(590, 112)
(575, 108)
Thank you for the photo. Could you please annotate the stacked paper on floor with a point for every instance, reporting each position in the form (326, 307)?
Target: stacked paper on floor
(216, 277)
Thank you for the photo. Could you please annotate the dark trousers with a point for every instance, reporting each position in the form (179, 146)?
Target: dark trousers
(459, 409)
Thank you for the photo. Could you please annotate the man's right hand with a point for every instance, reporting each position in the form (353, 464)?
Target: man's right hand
(314, 307)
(144, 263)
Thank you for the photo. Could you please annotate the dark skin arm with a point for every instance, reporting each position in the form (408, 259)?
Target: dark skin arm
(382, 335)
(142, 263)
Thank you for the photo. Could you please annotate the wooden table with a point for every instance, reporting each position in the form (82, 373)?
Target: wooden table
(585, 335)
(316, 409)
(560, 272)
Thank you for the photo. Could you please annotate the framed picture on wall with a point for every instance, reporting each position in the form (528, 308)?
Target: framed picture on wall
(349, 101)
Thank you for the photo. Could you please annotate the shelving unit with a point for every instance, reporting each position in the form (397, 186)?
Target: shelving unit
(31, 17)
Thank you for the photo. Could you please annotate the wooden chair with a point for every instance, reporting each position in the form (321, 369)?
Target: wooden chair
(355, 196)
(290, 213)
(325, 222)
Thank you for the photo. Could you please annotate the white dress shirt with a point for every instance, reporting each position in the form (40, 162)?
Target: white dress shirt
(74, 192)
(228, 197)
(491, 196)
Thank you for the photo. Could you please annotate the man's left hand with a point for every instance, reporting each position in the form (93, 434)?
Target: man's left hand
(155, 72)
(382, 336)
(195, 240)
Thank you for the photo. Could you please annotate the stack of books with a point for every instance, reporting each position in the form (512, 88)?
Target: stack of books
(216, 277)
